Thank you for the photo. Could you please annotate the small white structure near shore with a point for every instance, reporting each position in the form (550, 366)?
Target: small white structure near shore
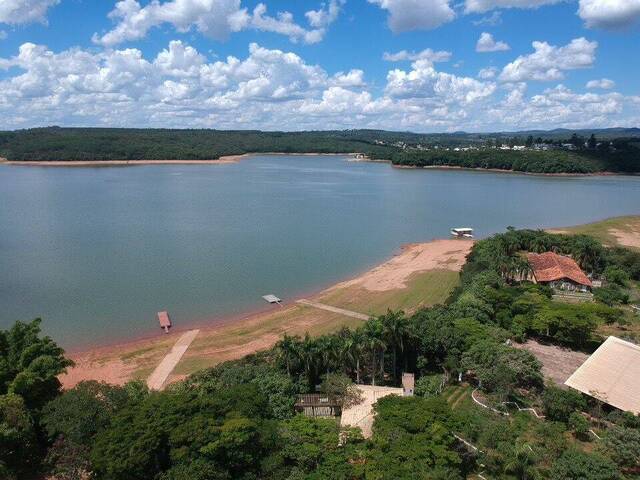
(272, 299)
(462, 232)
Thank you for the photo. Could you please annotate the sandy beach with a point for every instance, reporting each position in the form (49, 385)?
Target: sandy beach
(418, 268)
(92, 163)
(226, 159)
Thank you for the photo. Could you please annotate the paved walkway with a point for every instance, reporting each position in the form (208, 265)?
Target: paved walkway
(362, 415)
(165, 367)
(329, 308)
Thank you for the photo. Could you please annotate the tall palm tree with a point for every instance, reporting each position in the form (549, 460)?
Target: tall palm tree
(394, 325)
(374, 344)
(522, 462)
(356, 349)
(309, 355)
(288, 350)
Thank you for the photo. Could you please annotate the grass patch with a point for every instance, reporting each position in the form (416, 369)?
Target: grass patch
(133, 354)
(423, 289)
(603, 230)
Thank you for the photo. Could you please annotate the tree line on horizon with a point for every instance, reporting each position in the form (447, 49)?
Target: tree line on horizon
(237, 421)
(100, 144)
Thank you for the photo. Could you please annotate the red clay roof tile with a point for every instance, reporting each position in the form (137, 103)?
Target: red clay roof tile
(549, 266)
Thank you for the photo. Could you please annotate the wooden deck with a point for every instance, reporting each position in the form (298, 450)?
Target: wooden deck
(165, 321)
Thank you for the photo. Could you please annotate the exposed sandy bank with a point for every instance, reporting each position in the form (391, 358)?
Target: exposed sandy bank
(629, 238)
(92, 163)
(394, 273)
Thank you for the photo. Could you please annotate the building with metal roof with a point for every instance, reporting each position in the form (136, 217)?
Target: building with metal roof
(612, 375)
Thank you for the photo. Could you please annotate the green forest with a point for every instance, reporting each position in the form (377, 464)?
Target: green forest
(619, 154)
(237, 420)
(626, 159)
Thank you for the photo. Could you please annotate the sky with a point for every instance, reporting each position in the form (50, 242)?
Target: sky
(418, 65)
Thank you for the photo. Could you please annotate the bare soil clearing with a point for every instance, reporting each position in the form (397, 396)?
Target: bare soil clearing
(557, 363)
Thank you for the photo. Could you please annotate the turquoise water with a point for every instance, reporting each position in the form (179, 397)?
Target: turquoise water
(96, 252)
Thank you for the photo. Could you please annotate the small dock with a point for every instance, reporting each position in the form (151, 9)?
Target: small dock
(462, 232)
(272, 299)
(165, 321)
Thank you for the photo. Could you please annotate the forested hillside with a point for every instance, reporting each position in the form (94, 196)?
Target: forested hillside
(620, 154)
(150, 144)
(626, 159)
(237, 421)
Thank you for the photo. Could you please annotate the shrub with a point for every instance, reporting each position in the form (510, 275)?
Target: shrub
(559, 404)
(579, 424)
(428, 385)
(577, 465)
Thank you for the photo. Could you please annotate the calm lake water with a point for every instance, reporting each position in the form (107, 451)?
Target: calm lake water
(96, 252)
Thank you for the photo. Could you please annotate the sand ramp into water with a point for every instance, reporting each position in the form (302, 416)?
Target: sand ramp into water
(163, 370)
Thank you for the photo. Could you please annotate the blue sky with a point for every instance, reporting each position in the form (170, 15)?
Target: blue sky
(421, 65)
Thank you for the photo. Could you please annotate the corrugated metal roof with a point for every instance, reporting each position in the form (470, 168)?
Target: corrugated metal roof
(550, 266)
(611, 374)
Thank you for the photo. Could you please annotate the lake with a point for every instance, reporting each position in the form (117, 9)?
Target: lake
(96, 252)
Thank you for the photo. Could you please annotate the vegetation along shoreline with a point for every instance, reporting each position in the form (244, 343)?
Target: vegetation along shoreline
(604, 151)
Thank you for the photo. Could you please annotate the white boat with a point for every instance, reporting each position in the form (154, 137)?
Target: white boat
(462, 232)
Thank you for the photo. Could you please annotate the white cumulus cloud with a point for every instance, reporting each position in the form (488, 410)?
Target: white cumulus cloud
(353, 78)
(548, 62)
(407, 15)
(17, 12)
(486, 43)
(326, 15)
(426, 54)
(423, 81)
(603, 83)
(487, 73)
(610, 14)
(481, 6)
(216, 19)
(275, 90)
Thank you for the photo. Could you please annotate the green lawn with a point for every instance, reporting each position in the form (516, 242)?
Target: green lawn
(423, 289)
(605, 230)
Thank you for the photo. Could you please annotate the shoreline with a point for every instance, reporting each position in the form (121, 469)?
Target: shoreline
(223, 160)
(105, 361)
(214, 322)
(229, 159)
(500, 170)
(129, 163)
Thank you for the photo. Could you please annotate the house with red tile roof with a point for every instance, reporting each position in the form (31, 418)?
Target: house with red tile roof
(558, 271)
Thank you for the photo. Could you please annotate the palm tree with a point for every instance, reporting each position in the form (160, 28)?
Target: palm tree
(288, 350)
(522, 462)
(394, 327)
(352, 347)
(308, 350)
(374, 344)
